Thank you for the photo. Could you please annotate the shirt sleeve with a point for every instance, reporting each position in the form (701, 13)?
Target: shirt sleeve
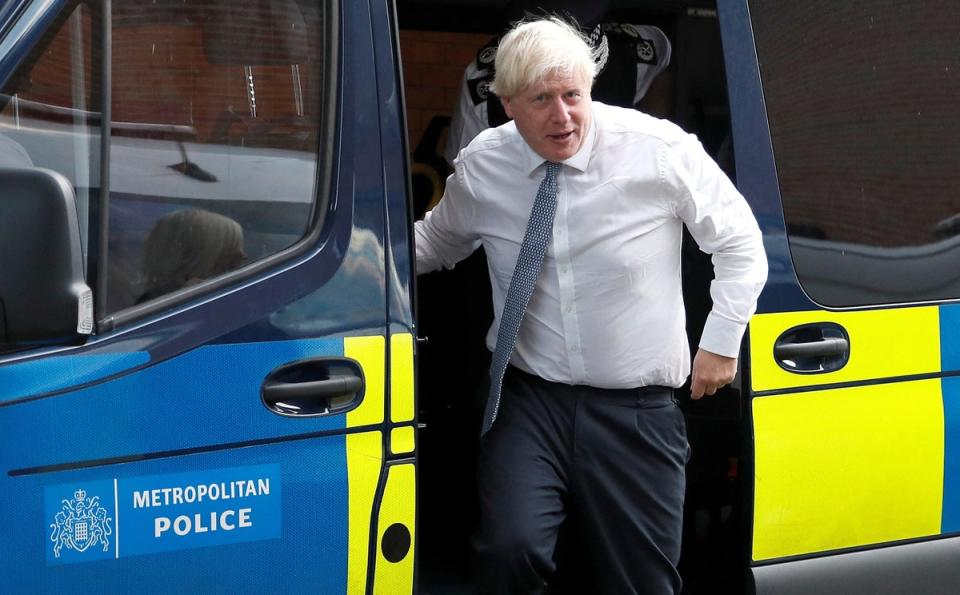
(721, 222)
(445, 236)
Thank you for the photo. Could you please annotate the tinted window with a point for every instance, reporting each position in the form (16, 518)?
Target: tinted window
(214, 133)
(214, 146)
(50, 107)
(862, 103)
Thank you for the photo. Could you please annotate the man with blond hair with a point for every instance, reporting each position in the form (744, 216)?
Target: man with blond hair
(580, 208)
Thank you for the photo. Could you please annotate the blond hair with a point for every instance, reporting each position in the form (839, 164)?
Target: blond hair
(533, 50)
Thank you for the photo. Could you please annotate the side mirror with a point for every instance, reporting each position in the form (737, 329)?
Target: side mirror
(43, 295)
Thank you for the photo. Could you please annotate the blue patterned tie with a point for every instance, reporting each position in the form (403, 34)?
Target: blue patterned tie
(525, 274)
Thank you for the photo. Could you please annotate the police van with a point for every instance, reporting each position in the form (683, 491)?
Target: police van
(214, 373)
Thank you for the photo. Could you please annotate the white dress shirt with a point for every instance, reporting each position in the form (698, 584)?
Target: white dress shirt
(607, 310)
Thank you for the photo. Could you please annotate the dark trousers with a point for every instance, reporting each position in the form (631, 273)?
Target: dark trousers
(609, 461)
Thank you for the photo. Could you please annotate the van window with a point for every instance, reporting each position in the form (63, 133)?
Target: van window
(862, 104)
(49, 110)
(214, 133)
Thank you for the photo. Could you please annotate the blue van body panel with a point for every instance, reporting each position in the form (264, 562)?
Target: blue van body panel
(756, 168)
(950, 387)
(207, 396)
(950, 337)
(205, 403)
(950, 521)
(52, 374)
(314, 511)
(394, 151)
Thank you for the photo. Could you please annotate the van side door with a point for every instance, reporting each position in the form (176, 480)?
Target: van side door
(845, 128)
(223, 428)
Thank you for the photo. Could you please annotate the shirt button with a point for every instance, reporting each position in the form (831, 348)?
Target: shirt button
(575, 349)
(569, 309)
(563, 269)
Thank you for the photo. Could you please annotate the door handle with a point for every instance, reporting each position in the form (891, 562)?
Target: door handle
(823, 347)
(314, 387)
(812, 348)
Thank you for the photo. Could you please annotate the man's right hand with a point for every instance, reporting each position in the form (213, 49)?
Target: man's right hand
(711, 372)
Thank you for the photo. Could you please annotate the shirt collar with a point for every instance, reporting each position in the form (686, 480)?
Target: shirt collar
(579, 161)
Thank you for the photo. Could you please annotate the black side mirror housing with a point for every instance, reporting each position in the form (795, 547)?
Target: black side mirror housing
(44, 297)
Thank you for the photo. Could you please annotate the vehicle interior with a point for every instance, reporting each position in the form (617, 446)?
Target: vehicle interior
(438, 39)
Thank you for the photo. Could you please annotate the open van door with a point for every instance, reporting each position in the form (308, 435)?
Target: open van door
(845, 143)
(206, 357)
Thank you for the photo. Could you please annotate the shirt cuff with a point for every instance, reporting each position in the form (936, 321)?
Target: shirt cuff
(722, 336)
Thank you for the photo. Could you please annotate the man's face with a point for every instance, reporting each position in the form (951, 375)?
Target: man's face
(553, 116)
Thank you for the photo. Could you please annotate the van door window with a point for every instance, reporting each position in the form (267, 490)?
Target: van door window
(50, 108)
(214, 138)
(214, 133)
(862, 104)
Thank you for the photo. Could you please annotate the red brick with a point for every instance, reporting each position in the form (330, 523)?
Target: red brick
(448, 76)
(412, 76)
(463, 55)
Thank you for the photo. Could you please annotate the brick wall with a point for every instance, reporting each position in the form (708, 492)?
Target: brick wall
(864, 118)
(433, 64)
(162, 75)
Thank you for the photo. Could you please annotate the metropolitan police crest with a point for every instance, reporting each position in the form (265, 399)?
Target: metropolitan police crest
(81, 524)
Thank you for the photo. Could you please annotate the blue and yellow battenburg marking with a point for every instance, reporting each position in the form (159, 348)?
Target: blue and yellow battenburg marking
(101, 509)
(863, 464)
(365, 460)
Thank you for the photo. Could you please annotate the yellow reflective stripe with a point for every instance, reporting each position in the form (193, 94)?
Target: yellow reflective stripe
(847, 467)
(402, 440)
(401, 377)
(364, 455)
(369, 352)
(883, 344)
(399, 506)
(364, 459)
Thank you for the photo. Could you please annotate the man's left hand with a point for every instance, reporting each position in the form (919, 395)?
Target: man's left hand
(711, 372)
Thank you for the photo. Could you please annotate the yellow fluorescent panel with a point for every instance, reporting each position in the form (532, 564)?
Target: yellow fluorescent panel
(369, 352)
(883, 344)
(847, 467)
(364, 455)
(402, 440)
(401, 377)
(399, 506)
(364, 459)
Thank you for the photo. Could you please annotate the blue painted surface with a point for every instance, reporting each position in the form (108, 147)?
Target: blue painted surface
(756, 168)
(204, 398)
(950, 337)
(400, 279)
(949, 362)
(310, 556)
(950, 521)
(207, 396)
(55, 373)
